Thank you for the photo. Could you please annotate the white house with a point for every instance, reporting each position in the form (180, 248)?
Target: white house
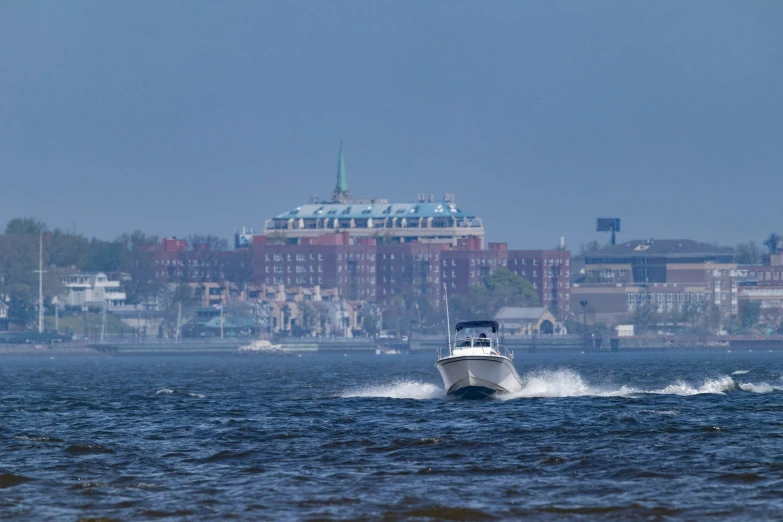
(92, 288)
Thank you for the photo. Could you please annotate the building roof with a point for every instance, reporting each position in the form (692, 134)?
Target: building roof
(514, 313)
(659, 247)
(376, 211)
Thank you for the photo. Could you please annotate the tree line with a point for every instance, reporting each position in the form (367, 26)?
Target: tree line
(131, 254)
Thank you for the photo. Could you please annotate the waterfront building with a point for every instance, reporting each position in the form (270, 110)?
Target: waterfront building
(763, 284)
(372, 250)
(368, 271)
(526, 321)
(549, 271)
(669, 275)
(424, 221)
(92, 289)
(175, 262)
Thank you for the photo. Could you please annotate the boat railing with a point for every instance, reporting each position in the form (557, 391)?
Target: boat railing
(492, 348)
(502, 350)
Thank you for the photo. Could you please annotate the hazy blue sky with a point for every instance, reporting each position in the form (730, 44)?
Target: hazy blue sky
(178, 117)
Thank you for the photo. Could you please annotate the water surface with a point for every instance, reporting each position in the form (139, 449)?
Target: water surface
(365, 437)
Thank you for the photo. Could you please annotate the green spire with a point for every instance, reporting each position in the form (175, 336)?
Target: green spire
(341, 194)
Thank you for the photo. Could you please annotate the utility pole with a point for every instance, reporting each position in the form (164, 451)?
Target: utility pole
(583, 304)
(103, 321)
(40, 283)
(179, 322)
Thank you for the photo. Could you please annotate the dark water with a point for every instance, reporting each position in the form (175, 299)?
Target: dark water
(645, 437)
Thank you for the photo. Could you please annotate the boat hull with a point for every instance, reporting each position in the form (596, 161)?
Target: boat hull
(478, 376)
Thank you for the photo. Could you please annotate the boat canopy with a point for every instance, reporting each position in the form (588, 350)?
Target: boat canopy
(478, 324)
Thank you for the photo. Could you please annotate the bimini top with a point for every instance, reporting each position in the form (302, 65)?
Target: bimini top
(478, 324)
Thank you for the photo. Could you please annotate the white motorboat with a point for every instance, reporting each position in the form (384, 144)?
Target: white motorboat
(387, 351)
(262, 346)
(476, 365)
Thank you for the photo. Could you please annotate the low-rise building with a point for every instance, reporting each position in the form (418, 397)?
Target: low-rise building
(668, 275)
(526, 321)
(92, 289)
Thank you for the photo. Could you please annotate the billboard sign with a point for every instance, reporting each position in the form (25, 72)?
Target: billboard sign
(608, 225)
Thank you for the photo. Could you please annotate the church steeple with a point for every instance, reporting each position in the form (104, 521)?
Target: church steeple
(341, 194)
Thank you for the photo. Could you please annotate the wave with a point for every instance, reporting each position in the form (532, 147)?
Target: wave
(169, 391)
(8, 480)
(561, 383)
(568, 383)
(716, 385)
(402, 389)
(758, 388)
(740, 372)
(564, 383)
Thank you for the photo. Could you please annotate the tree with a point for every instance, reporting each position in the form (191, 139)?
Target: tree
(501, 288)
(747, 253)
(589, 247)
(773, 243)
(138, 261)
(751, 312)
(371, 325)
(18, 277)
(215, 243)
(26, 225)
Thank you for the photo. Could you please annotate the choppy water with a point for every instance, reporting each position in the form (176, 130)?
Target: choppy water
(656, 436)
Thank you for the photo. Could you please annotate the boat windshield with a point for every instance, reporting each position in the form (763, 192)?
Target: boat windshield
(478, 336)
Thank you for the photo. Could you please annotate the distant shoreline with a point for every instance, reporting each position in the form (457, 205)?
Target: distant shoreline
(142, 349)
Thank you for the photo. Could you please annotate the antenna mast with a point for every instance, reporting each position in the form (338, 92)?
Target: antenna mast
(448, 322)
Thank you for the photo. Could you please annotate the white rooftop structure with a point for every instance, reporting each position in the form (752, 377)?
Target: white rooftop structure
(426, 220)
(92, 288)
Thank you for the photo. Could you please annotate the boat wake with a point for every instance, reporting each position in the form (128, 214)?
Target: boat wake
(568, 383)
(565, 383)
(402, 389)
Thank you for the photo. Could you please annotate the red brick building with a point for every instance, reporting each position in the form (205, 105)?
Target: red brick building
(362, 269)
(175, 263)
